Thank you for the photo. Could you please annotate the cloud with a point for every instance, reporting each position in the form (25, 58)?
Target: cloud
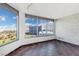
(8, 28)
(13, 25)
(2, 18)
(46, 25)
(14, 17)
(2, 28)
(27, 24)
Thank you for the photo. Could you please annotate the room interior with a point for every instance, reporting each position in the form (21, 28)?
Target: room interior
(61, 21)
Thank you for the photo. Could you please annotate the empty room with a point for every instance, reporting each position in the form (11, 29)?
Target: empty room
(39, 29)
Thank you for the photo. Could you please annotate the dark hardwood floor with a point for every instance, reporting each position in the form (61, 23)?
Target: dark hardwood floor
(49, 48)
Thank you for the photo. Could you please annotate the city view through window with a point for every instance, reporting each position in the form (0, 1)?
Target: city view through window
(38, 27)
(7, 25)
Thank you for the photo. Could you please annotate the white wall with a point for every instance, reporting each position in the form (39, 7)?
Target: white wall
(22, 41)
(67, 29)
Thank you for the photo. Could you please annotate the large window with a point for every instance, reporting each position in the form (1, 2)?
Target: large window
(38, 26)
(8, 22)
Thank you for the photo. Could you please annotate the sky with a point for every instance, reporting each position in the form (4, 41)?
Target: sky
(7, 19)
(34, 21)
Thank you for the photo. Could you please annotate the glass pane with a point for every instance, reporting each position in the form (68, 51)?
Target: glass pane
(46, 27)
(31, 27)
(50, 27)
(7, 26)
(36, 26)
(42, 24)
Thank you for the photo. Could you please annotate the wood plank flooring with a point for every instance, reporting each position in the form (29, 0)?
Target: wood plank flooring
(49, 48)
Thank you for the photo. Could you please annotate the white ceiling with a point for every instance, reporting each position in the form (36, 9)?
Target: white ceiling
(50, 10)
